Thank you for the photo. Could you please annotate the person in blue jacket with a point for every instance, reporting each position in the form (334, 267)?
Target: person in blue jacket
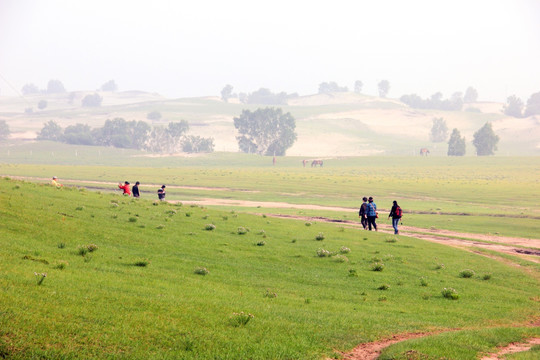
(371, 214)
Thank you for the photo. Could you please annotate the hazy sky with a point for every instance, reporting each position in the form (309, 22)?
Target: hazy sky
(193, 48)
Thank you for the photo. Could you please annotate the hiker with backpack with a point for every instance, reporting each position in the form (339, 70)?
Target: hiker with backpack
(372, 213)
(396, 213)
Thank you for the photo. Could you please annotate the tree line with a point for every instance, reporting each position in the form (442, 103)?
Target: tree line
(484, 140)
(124, 134)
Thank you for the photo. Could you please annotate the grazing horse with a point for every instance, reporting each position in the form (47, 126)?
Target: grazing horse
(317, 162)
(424, 152)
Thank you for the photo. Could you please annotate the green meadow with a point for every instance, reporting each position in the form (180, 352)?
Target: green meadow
(138, 279)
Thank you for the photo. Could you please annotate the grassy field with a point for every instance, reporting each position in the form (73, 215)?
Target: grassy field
(125, 278)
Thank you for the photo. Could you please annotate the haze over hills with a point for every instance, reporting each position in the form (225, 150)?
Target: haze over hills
(333, 124)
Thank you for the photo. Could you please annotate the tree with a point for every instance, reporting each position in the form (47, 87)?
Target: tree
(50, 131)
(456, 144)
(358, 86)
(167, 139)
(265, 131)
(29, 89)
(226, 93)
(439, 130)
(513, 107)
(154, 115)
(55, 87)
(384, 88)
(331, 87)
(109, 86)
(471, 95)
(42, 104)
(92, 100)
(78, 134)
(122, 134)
(485, 140)
(197, 144)
(533, 105)
(4, 130)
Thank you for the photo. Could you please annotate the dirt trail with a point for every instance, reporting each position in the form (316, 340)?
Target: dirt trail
(513, 348)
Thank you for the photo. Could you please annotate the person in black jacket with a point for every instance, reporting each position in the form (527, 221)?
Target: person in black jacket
(135, 190)
(396, 213)
(161, 193)
(362, 213)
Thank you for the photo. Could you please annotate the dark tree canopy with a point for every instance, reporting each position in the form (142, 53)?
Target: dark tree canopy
(384, 88)
(153, 115)
(55, 87)
(197, 144)
(226, 92)
(513, 107)
(4, 130)
(266, 97)
(109, 86)
(436, 101)
(78, 134)
(471, 95)
(485, 140)
(533, 105)
(29, 89)
(456, 144)
(265, 131)
(439, 130)
(51, 131)
(92, 100)
(331, 87)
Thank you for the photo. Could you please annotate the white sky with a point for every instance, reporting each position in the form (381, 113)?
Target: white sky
(193, 48)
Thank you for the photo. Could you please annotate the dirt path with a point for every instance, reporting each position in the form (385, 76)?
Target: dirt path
(513, 348)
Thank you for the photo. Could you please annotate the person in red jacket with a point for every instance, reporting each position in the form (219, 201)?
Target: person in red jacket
(125, 187)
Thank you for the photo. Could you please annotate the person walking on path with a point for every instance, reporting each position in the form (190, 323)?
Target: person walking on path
(125, 188)
(135, 190)
(371, 214)
(396, 213)
(362, 213)
(161, 193)
(55, 182)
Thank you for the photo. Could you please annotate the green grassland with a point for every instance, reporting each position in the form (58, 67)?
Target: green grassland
(138, 296)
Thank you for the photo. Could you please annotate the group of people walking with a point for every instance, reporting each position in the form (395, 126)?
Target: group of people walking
(368, 214)
(135, 190)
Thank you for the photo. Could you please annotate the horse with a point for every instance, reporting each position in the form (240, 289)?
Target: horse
(424, 152)
(317, 162)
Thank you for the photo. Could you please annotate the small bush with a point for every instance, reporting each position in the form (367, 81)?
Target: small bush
(201, 271)
(450, 293)
(142, 263)
(61, 265)
(486, 277)
(188, 214)
(209, 227)
(79, 208)
(319, 237)
(240, 319)
(323, 253)
(439, 266)
(91, 247)
(353, 273)
(225, 217)
(378, 266)
(344, 250)
(261, 243)
(82, 250)
(61, 245)
(382, 298)
(467, 273)
(132, 219)
(384, 287)
(308, 223)
(159, 227)
(423, 282)
(340, 258)
(242, 230)
(270, 294)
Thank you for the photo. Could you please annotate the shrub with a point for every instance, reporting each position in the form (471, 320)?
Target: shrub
(340, 258)
(209, 227)
(384, 287)
(92, 247)
(378, 266)
(159, 227)
(261, 243)
(308, 223)
(344, 250)
(225, 217)
(382, 298)
(61, 265)
(188, 214)
(201, 271)
(486, 277)
(319, 237)
(132, 219)
(79, 208)
(82, 250)
(450, 293)
(240, 319)
(467, 273)
(423, 281)
(242, 230)
(323, 253)
(142, 263)
(270, 294)
(353, 273)
(61, 245)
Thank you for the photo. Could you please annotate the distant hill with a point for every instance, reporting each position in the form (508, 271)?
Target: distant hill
(337, 124)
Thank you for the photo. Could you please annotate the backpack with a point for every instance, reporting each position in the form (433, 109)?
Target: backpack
(398, 212)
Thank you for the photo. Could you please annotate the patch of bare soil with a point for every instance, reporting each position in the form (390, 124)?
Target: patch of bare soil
(513, 348)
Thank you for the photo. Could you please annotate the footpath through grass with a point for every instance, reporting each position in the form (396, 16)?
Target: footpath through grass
(137, 279)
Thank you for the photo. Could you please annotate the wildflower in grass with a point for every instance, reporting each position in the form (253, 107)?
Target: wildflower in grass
(319, 237)
(261, 243)
(323, 253)
(270, 294)
(378, 266)
(450, 293)
(344, 250)
(201, 271)
(242, 230)
(91, 247)
(209, 227)
(423, 281)
(40, 277)
(439, 266)
(384, 287)
(340, 258)
(467, 273)
(240, 319)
